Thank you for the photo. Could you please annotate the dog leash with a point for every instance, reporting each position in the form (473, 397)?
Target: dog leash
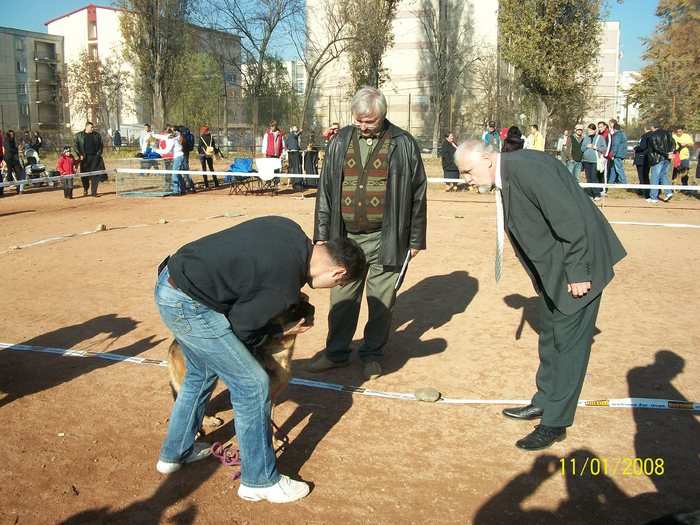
(229, 457)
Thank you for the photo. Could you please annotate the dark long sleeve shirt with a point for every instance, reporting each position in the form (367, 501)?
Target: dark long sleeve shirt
(251, 273)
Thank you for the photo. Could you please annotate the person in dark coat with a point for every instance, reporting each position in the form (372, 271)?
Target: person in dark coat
(206, 149)
(569, 249)
(641, 162)
(514, 140)
(11, 156)
(88, 147)
(447, 154)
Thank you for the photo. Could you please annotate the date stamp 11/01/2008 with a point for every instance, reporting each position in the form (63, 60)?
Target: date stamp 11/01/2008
(611, 467)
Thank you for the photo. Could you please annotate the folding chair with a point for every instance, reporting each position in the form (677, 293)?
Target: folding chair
(240, 184)
(268, 180)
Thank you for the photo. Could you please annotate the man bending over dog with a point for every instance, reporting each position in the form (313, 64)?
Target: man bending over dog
(217, 295)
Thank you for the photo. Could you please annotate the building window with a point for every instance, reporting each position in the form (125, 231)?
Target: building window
(21, 67)
(92, 30)
(25, 110)
(19, 44)
(22, 89)
(92, 52)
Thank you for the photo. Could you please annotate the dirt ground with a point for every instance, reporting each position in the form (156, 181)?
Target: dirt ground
(81, 435)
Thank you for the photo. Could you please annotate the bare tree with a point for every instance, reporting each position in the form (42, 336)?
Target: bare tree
(326, 38)
(452, 52)
(97, 89)
(155, 40)
(258, 23)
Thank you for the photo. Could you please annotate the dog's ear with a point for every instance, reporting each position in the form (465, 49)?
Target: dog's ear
(306, 311)
(301, 310)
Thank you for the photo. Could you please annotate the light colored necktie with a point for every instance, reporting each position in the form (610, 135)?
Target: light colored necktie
(500, 224)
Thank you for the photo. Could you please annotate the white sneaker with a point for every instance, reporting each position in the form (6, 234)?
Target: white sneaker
(596, 198)
(668, 197)
(652, 201)
(199, 452)
(285, 490)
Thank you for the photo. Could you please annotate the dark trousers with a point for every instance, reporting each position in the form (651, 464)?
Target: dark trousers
(591, 172)
(564, 348)
(67, 188)
(91, 181)
(295, 162)
(208, 161)
(643, 174)
(91, 163)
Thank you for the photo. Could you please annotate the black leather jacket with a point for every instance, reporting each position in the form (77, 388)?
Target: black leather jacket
(80, 143)
(404, 223)
(660, 143)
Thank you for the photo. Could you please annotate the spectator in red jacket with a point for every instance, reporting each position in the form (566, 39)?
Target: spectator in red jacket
(66, 166)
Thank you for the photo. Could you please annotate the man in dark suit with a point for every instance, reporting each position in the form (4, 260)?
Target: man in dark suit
(568, 248)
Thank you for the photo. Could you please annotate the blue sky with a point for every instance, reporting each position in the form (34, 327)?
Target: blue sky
(636, 19)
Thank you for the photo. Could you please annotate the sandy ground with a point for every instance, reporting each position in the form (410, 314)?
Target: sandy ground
(81, 435)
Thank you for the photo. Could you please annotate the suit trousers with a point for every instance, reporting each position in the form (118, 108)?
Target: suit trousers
(346, 301)
(564, 348)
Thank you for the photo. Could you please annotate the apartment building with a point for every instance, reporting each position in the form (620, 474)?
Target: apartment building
(31, 81)
(96, 28)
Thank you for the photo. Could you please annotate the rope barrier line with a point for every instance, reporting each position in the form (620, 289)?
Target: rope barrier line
(603, 185)
(629, 402)
(665, 225)
(38, 180)
(71, 235)
(143, 171)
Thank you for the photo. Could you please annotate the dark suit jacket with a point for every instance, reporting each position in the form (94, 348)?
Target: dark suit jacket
(559, 235)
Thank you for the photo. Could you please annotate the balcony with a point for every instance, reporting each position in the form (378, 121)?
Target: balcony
(43, 79)
(47, 58)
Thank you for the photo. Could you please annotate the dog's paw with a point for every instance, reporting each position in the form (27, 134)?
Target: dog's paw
(212, 422)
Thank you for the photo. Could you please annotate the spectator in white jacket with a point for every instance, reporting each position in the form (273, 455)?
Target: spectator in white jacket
(171, 147)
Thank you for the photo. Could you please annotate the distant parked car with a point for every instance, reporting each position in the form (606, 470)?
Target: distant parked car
(630, 148)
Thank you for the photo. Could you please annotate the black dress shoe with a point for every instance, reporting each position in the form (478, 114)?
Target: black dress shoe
(542, 437)
(528, 412)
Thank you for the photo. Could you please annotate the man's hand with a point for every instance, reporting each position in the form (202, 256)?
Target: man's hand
(298, 328)
(578, 289)
(414, 252)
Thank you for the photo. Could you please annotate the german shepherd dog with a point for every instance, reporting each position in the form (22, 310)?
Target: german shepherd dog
(275, 357)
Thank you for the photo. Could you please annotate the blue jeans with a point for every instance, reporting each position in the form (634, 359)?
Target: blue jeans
(212, 350)
(574, 168)
(659, 175)
(179, 163)
(617, 172)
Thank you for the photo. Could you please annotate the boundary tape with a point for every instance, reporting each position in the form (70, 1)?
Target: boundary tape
(90, 232)
(630, 402)
(57, 178)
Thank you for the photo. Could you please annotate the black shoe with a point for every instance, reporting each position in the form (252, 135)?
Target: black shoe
(528, 412)
(542, 437)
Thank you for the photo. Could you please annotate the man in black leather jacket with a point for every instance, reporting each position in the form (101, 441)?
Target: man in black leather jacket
(661, 148)
(88, 146)
(373, 190)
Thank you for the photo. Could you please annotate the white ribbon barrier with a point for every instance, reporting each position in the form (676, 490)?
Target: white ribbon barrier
(38, 180)
(633, 402)
(217, 173)
(603, 185)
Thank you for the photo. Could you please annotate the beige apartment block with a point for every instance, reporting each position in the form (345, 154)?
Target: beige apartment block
(31, 81)
(410, 92)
